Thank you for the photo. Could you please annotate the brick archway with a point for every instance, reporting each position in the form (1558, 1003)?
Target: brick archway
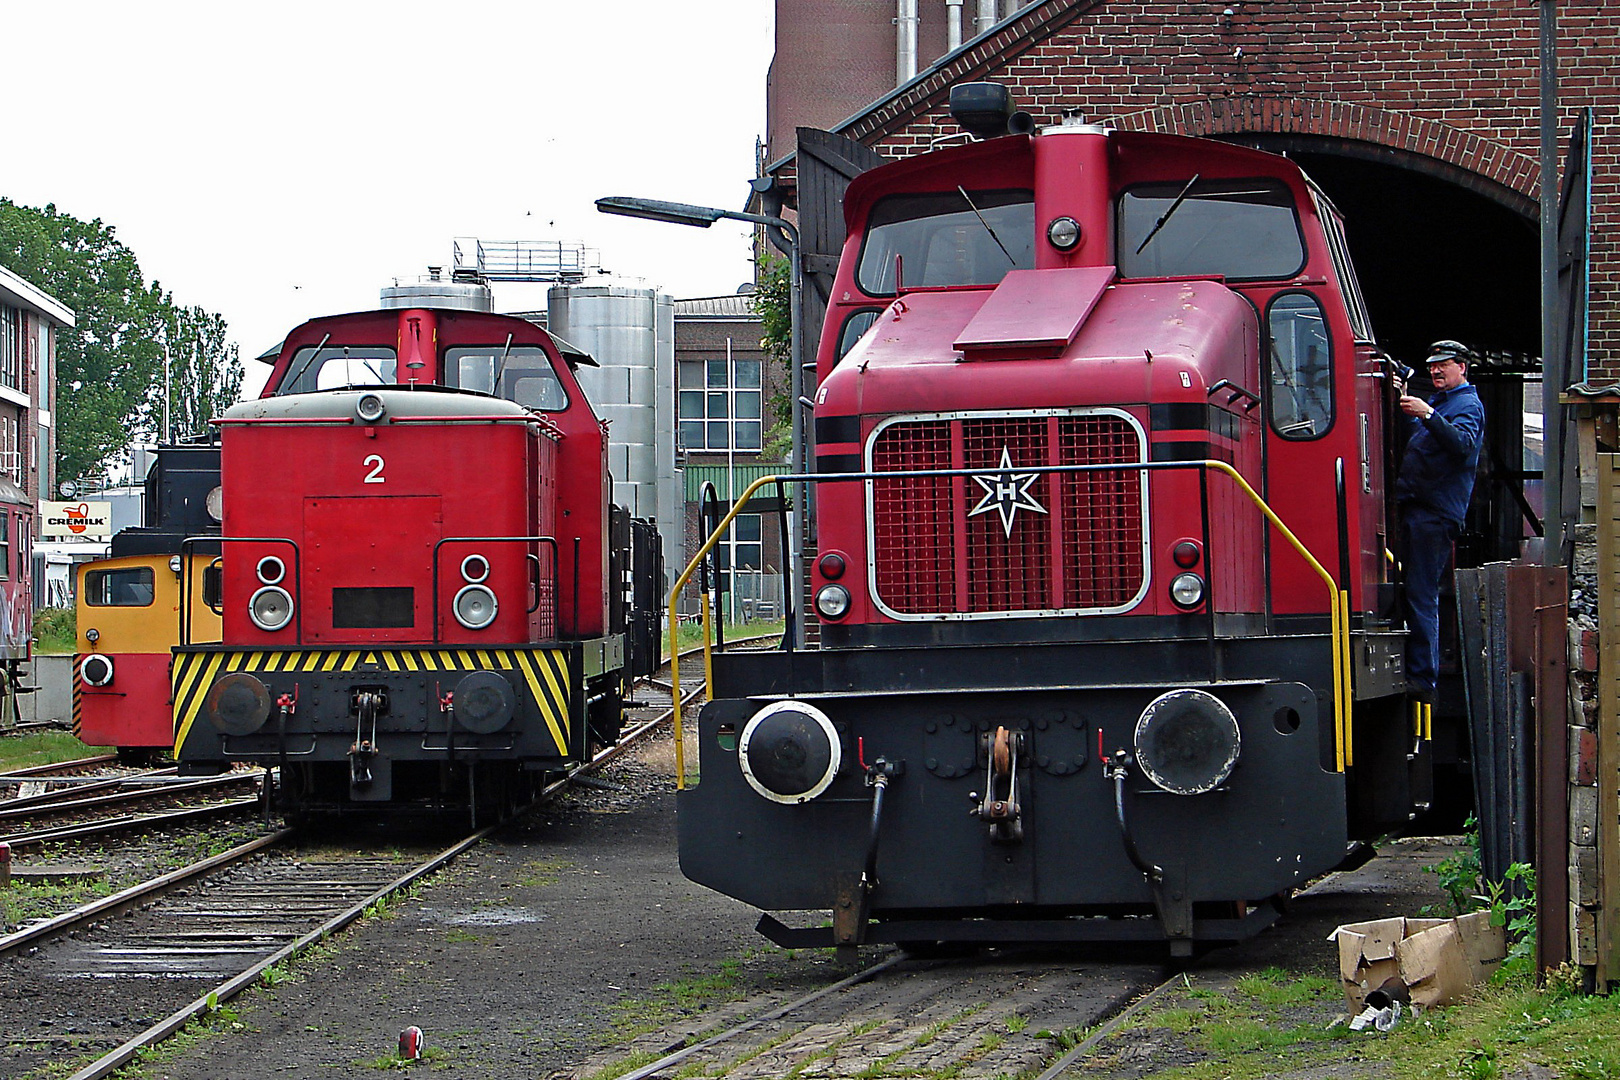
(1394, 138)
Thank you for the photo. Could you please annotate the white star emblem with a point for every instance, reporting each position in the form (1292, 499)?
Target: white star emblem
(1006, 492)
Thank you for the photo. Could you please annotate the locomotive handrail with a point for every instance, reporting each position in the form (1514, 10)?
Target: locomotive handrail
(556, 563)
(1338, 601)
(297, 572)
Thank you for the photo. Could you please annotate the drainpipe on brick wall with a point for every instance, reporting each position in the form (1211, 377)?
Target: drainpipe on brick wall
(905, 48)
(1553, 378)
(953, 25)
(987, 17)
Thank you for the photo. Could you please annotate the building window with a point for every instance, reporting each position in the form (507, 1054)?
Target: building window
(12, 347)
(720, 404)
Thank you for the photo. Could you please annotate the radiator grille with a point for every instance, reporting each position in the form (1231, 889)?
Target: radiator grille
(1080, 550)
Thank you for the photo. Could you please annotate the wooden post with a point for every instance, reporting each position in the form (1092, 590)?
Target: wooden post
(1607, 819)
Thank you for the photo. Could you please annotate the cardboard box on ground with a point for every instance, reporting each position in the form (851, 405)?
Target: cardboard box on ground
(1437, 960)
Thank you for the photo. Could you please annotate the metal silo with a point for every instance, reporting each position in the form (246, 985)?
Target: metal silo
(630, 331)
(459, 292)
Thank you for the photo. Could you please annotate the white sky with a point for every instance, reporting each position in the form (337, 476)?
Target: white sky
(277, 162)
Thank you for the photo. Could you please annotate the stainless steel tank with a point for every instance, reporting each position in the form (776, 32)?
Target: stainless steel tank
(460, 292)
(630, 331)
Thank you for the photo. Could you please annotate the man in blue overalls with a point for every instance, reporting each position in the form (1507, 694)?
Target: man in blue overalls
(1436, 481)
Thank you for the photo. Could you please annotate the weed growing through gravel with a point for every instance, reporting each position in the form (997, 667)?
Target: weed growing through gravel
(543, 872)
(1264, 1023)
(28, 900)
(637, 1016)
(433, 1056)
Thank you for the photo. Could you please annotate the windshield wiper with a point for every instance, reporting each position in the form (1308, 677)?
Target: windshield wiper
(986, 225)
(500, 366)
(1157, 225)
(286, 383)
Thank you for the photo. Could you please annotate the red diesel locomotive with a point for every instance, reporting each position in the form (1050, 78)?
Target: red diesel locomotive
(423, 581)
(1100, 511)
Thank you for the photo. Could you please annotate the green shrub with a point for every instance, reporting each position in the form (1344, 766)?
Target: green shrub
(55, 630)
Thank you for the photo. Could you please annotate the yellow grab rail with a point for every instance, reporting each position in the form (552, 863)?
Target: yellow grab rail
(674, 619)
(1338, 600)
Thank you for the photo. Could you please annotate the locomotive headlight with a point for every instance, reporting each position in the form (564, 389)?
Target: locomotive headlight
(831, 566)
(789, 752)
(1187, 742)
(174, 563)
(474, 568)
(475, 606)
(238, 703)
(370, 408)
(1063, 233)
(832, 601)
(271, 570)
(271, 608)
(92, 635)
(97, 670)
(214, 503)
(1187, 590)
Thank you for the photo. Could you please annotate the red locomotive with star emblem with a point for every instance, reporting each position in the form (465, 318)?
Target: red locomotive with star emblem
(1099, 563)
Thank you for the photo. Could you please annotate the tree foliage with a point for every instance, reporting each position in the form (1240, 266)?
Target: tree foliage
(109, 366)
(205, 373)
(772, 302)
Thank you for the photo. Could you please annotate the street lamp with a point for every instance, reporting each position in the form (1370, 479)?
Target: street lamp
(703, 217)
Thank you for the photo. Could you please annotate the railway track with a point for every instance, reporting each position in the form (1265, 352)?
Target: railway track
(141, 801)
(1007, 1014)
(237, 916)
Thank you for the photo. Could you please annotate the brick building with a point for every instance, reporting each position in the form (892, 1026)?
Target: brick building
(1418, 117)
(30, 321)
(835, 57)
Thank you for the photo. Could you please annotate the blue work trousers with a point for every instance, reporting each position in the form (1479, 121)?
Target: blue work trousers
(1429, 537)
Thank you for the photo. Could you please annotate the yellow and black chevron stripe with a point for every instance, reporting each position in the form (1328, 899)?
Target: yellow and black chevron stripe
(544, 671)
(78, 703)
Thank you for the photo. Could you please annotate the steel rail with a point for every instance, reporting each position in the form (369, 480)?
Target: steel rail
(128, 822)
(764, 1018)
(135, 894)
(35, 771)
(187, 787)
(90, 785)
(1058, 1067)
(123, 1055)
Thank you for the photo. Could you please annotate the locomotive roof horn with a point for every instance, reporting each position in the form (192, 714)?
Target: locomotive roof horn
(985, 109)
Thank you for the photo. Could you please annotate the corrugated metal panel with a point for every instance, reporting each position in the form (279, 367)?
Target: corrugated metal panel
(741, 477)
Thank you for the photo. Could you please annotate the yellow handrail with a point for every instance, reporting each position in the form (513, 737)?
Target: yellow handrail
(1338, 604)
(674, 619)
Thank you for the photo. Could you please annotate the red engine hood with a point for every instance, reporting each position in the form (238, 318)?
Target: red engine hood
(1047, 339)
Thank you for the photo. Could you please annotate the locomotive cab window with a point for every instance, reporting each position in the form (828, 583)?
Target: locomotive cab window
(521, 374)
(338, 365)
(1237, 229)
(1301, 358)
(854, 328)
(124, 587)
(943, 239)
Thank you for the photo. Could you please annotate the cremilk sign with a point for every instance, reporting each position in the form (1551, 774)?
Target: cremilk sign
(64, 520)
